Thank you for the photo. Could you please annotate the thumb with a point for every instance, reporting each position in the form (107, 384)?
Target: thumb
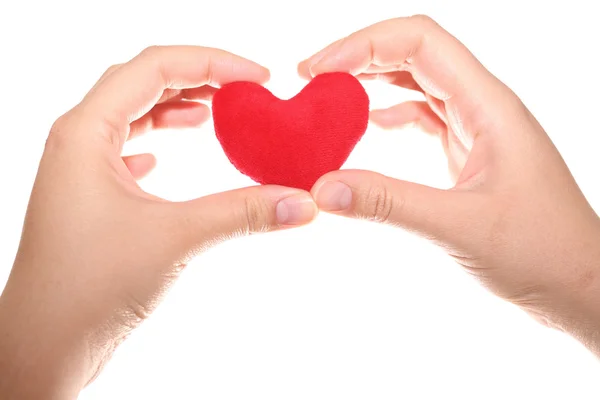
(449, 217)
(201, 222)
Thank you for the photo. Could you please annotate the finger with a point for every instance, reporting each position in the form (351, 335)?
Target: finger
(169, 95)
(439, 63)
(438, 107)
(304, 66)
(415, 44)
(205, 92)
(409, 113)
(402, 79)
(170, 115)
(422, 116)
(140, 165)
(134, 88)
(106, 74)
(440, 215)
(240, 212)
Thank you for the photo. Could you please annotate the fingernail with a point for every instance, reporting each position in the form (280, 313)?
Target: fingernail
(319, 67)
(333, 196)
(321, 58)
(296, 210)
(314, 62)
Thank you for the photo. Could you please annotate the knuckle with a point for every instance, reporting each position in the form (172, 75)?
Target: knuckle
(421, 26)
(151, 51)
(425, 25)
(209, 66)
(152, 57)
(256, 215)
(379, 203)
(76, 127)
(423, 19)
(59, 125)
(111, 69)
(135, 313)
(58, 134)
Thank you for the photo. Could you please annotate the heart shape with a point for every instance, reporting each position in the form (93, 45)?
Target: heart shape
(291, 142)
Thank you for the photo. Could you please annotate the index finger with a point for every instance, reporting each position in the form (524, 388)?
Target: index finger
(134, 88)
(439, 63)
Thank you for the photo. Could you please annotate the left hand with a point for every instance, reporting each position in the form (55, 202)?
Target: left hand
(515, 217)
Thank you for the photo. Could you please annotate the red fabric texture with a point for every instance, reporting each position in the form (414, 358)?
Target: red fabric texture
(291, 142)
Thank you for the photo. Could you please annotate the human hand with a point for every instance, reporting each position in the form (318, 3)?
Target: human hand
(515, 217)
(97, 252)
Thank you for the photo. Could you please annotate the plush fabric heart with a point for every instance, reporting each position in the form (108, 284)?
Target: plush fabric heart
(291, 142)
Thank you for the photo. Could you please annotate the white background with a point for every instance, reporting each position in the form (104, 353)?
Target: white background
(339, 309)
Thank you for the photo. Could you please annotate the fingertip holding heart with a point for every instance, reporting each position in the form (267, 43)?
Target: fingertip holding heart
(291, 142)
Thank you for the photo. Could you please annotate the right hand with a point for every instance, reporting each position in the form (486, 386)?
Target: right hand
(515, 217)
(98, 253)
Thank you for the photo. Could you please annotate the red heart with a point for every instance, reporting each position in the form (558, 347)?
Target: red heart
(291, 142)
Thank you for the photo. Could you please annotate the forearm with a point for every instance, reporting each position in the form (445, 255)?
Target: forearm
(583, 322)
(578, 310)
(38, 359)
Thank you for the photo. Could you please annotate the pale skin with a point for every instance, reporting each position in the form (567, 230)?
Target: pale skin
(98, 253)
